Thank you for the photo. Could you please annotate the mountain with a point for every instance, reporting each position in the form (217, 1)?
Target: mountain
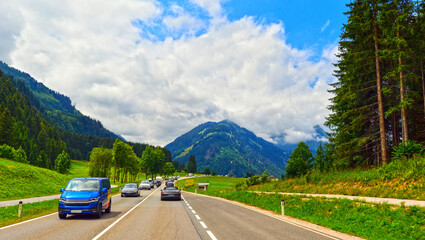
(227, 148)
(55, 107)
(319, 137)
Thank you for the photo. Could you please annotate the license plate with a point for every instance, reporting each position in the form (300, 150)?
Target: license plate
(76, 211)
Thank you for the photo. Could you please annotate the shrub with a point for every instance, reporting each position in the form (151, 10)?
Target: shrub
(7, 152)
(407, 149)
(12, 154)
(20, 156)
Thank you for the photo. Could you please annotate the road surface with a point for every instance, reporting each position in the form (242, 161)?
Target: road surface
(147, 217)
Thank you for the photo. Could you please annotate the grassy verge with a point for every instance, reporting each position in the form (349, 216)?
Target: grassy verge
(404, 179)
(367, 220)
(215, 183)
(20, 180)
(9, 215)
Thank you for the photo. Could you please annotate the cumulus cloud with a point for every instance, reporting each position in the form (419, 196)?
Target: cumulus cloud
(154, 91)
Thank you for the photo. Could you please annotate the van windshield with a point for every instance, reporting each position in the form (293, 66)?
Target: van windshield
(83, 185)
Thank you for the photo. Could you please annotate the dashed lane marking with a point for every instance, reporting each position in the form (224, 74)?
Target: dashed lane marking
(211, 235)
(197, 217)
(119, 219)
(203, 224)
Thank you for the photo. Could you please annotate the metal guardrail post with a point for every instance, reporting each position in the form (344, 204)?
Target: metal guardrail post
(20, 209)
(283, 207)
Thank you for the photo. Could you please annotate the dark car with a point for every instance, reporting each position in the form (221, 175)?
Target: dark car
(171, 193)
(169, 184)
(85, 196)
(158, 183)
(130, 189)
(151, 183)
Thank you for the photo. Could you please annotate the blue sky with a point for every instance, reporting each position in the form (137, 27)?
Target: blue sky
(151, 70)
(308, 24)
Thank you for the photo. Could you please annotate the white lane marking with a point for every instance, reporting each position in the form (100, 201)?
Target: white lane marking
(19, 223)
(197, 217)
(119, 219)
(211, 235)
(28, 221)
(270, 215)
(193, 211)
(190, 208)
(203, 224)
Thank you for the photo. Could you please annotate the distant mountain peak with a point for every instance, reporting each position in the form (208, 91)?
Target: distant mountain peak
(228, 148)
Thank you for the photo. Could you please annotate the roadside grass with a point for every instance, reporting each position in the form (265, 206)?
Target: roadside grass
(402, 179)
(215, 183)
(19, 180)
(367, 220)
(9, 215)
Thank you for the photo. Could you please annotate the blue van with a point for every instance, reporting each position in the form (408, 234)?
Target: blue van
(85, 196)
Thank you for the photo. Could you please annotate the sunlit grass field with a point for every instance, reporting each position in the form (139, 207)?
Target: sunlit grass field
(20, 180)
(215, 183)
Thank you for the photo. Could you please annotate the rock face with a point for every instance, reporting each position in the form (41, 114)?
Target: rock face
(228, 149)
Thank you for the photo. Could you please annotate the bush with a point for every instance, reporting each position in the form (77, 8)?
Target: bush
(12, 154)
(7, 152)
(407, 150)
(20, 156)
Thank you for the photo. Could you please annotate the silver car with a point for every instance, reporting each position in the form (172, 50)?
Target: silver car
(130, 189)
(145, 185)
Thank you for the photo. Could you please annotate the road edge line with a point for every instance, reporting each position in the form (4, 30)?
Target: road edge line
(279, 217)
(30, 220)
(119, 219)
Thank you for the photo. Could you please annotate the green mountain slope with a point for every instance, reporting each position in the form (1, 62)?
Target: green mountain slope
(55, 107)
(19, 180)
(227, 148)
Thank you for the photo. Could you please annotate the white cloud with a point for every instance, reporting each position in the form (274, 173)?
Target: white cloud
(153, 92)
(325, 26)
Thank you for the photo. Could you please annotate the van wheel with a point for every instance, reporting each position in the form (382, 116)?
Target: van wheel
(108, 210)
(62, 215)
(99, 212)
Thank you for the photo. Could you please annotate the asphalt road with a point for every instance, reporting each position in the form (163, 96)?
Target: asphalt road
(147, 217)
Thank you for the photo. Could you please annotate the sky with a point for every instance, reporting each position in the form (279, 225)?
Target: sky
(152, 70)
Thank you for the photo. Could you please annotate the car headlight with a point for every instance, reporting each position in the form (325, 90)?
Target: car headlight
(62, 199)
(93, 199)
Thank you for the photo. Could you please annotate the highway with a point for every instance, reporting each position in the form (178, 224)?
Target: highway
(147, 217)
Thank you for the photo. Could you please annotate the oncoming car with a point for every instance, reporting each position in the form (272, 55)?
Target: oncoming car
(130, 189)
(145, 185)
(85, 196)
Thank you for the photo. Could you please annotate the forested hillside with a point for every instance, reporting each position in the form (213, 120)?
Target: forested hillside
(23, 126)
(226, 148)
(56, 108)
(379, 97)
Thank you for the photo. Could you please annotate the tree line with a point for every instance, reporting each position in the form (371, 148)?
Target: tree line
(379, 95)
(123, 162)
(26, 136)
